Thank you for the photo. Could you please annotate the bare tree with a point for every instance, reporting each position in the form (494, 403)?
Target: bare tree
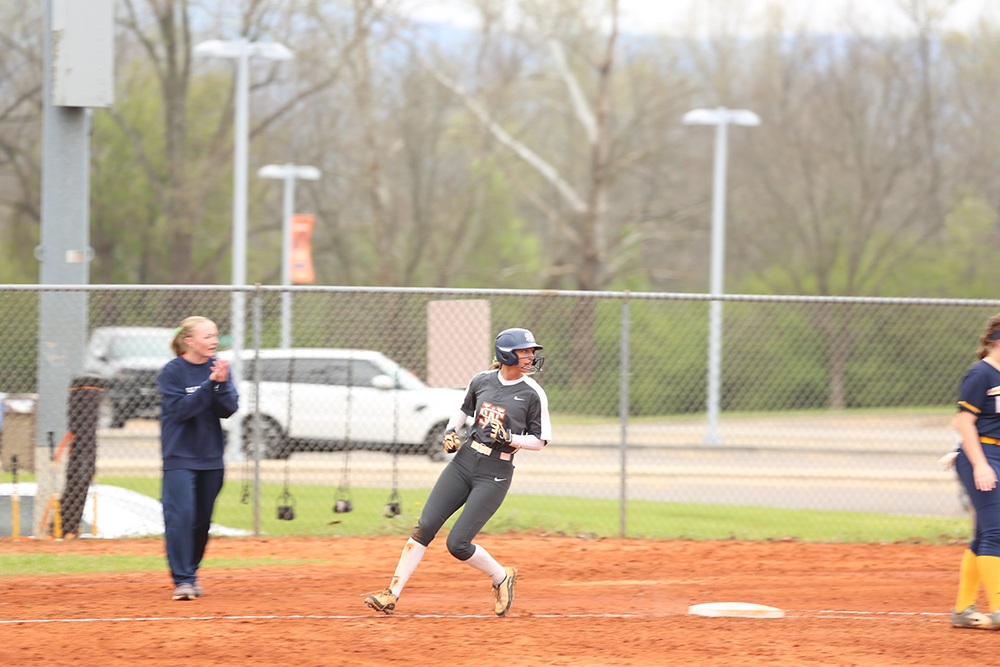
(185, 169)
(580, 215)
(20, 138)
(845, 177)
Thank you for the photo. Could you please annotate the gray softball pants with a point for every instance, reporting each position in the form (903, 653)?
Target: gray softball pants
(472, 479)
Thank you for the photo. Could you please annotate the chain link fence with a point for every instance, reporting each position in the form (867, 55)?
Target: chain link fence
(824, 404)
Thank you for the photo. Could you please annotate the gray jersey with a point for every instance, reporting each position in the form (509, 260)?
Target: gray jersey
(521, 406)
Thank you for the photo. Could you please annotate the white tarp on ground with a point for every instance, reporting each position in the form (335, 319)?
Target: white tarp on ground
(120, 512)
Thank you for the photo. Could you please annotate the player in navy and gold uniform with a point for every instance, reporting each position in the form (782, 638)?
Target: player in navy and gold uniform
(510, 412)
(978, 465)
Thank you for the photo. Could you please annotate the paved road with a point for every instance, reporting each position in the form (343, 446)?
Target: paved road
(867, 463)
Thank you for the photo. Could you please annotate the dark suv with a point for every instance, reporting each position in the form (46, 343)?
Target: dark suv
(129, 359)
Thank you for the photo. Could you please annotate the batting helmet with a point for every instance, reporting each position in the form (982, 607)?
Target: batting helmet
(509, 340)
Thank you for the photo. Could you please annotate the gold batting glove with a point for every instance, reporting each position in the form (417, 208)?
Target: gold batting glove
(496, 431)
(451, 441)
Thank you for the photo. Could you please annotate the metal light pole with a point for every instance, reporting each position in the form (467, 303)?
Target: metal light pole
(722, 118)
(77, 74)
(288, 173)
(241, 51)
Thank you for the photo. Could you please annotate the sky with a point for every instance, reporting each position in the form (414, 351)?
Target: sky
(675, 16)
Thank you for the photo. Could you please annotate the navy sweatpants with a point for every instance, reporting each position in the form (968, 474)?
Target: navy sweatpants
(188, 498)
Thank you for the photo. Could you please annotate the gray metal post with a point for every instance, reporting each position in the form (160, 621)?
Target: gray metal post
(241, 131)
(717, 274)
(63, 254)
(288, 210)
(623, 410)
(256, 411)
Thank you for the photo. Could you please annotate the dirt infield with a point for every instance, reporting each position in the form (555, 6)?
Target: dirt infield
(578, 602)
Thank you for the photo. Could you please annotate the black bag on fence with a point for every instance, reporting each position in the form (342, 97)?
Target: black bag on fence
(85, 395)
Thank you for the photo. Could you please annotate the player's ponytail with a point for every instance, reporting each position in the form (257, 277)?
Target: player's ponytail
(990, 337)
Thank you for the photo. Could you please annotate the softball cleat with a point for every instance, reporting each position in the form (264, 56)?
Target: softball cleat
(383, 601)
(504, 591)
(970, 617)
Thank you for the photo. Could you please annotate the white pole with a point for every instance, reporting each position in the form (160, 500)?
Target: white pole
(717, 273)
(721, 118)
(241, 133)
(241, 50)
(286, 260)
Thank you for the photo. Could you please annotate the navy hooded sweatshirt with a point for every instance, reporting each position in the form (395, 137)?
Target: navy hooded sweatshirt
(190, 432)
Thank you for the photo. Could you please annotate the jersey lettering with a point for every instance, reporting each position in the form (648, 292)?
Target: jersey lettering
(489, 412)
(995, 393)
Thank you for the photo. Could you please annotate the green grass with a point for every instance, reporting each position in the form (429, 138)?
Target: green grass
(7, 478)
(572, 516)
(551, 515)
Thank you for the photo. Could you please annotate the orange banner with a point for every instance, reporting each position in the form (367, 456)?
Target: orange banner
(301, 252)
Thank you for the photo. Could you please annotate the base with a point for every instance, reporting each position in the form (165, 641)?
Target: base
(744, 609)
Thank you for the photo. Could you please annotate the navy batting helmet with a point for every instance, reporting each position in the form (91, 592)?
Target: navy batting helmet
(509, 340)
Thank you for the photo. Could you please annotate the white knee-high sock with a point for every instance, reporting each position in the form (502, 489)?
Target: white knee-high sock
(484, 562)
(413, 551)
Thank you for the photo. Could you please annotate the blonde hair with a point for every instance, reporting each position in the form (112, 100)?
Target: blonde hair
(988, 339)
(185, 330)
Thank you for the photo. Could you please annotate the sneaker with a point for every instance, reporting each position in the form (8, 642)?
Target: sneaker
(383, 601)
(970, 617)
(504, 591)
(184, 592)
(198, 590)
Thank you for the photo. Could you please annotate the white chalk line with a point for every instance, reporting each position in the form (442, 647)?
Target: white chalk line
(310, 616)
(795, 613)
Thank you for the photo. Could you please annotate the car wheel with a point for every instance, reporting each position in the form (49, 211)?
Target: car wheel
(273, 441)
(433, 442)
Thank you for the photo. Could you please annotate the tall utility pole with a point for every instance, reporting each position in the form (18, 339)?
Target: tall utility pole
(287, 173)
(241, 51)
(721, 118)
(80, 74)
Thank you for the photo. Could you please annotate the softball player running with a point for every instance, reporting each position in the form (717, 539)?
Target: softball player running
(511, 413)
(978, 464)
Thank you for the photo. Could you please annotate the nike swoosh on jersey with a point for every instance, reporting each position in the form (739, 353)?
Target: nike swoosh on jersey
(497, 479)
(518, 398)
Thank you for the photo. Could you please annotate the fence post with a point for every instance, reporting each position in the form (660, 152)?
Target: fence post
(623, 409)
(256, 409)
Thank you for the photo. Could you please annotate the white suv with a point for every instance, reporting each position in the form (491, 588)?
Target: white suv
(326, 399)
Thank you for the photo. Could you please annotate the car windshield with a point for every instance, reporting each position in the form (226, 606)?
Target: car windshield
(141, 347)
(405, 378)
